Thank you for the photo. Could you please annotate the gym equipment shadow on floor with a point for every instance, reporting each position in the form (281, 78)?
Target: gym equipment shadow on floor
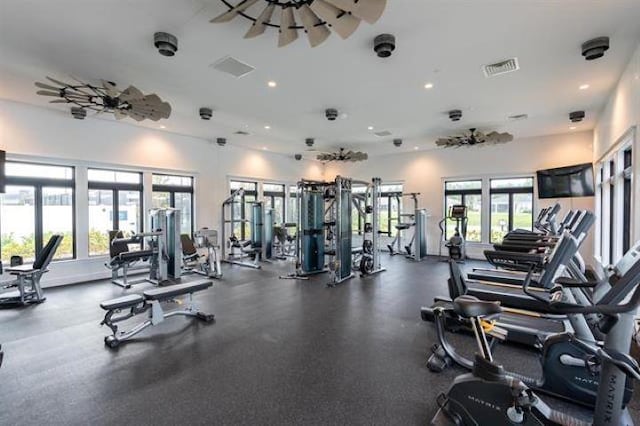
(280, 352)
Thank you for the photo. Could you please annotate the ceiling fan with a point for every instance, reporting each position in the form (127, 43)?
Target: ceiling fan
(343, 155)
(316, 17)
(106, 97)
(474, 137)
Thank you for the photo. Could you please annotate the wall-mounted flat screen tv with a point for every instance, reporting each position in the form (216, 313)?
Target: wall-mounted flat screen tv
(565, 182)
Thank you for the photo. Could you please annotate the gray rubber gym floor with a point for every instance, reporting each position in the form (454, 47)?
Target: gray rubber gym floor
(280, 352)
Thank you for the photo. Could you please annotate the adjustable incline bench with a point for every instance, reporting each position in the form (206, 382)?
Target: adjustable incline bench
(25, 289)
(150, 300)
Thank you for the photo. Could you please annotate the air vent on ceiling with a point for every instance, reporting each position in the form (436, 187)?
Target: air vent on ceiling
(383, 133)
(502, 67)
(241, 132)
(231, 65)
(518, 117)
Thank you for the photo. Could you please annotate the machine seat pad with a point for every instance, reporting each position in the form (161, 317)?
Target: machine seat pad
(131, 255)
(470, 306)
(176, 290)
(20, 269)
(127, 301)
(403, 226)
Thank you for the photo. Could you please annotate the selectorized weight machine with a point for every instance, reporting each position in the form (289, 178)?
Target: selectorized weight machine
(368, 206)
(324, 229)
(162, 256)
(259, 246)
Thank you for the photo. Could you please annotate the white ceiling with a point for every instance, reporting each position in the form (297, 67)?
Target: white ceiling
(444, 42)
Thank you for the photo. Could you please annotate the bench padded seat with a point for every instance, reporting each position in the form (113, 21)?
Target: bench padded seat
(20, 269)
(131, 255)
(176, 290)
(122, 302)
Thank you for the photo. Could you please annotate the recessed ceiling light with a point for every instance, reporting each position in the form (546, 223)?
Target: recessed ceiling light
(163, 127)
(370, 128)
(583, 87)
(272, 84)
(267, 127)
(264, 148)
(415, 147)
(428, 86)
(572, 128)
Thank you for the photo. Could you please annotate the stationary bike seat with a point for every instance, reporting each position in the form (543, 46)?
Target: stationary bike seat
(470, 307)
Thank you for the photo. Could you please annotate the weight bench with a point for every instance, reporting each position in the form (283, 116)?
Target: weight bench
(27, 281)
(150, 300)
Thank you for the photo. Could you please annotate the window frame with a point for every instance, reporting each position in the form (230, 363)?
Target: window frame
(615, 199)
(38, 184)
(243, 201)
(173, 189)
(463, 194)
(511, 191)
(272, 195)
(115, 188)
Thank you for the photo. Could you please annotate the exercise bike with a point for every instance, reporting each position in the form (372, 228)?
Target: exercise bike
(489, 395)
(456, 245)
(568, 372)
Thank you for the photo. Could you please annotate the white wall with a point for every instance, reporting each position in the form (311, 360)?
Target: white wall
(620, 115)
(424, 172)
(28, 132)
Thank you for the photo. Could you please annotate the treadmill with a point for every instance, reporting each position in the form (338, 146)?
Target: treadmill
(580, 226)
(516, 325)
(510, 293)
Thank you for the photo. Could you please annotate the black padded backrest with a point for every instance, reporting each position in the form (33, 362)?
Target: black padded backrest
(457, 286)
(116, 248)
(48, 251)
(188, 248)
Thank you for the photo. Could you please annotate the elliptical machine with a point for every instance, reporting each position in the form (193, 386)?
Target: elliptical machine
(456, 245)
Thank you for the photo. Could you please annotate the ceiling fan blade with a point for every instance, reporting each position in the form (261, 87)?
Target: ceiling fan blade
(48, 93)
(233, 12)
(259, 26)
(369, 10)
(287, 34)
(317, 32)
(119, 114)
(131, 93)
(58, 101)
(58, 82)
(341, 22)
(46, 86)
(110, 88)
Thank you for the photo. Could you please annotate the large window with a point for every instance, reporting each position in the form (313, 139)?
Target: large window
(511, 206)
(38, 202)
(614, 202)
(468, 193)
(242, 209)
(115, 203)
(292, 211)
(273, 195)
(391, 208)
(175, 192)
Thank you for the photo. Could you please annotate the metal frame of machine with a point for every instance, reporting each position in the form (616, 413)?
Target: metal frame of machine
(324, 216)
(370, 259)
